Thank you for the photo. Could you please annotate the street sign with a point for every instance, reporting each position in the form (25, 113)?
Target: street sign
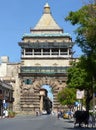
(5, 105)
(80, 94)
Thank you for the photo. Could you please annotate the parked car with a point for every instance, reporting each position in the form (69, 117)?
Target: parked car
(66, 115)
(44, 112)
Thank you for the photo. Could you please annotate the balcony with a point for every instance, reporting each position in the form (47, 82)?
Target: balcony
(43, 70)
(46, 53)
(55, 53)
(28, 53)
(37, 53)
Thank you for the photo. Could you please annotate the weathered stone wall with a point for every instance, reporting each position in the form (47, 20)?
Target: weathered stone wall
(30, 94)
(9, 74)
(51, 40)
(46, 62)
(27, 97)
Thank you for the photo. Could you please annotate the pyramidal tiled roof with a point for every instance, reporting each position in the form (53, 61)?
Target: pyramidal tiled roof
(46, 21)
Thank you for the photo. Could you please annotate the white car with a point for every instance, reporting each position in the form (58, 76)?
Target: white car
(44, 112)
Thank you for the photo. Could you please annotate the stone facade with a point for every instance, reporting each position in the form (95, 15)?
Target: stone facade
(9, 74)
(46, 53)
(6, 97)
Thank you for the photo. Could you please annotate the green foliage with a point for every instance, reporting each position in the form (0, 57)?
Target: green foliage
(67, 96)
(11, 113)
(82, 75)
(78, 76)
(85, 18)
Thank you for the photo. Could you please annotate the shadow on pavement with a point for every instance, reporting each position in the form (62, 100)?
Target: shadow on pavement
(79, 128)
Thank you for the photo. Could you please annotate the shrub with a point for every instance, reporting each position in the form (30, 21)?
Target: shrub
(11, 113)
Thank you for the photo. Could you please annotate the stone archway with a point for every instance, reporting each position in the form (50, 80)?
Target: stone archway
(30, 93)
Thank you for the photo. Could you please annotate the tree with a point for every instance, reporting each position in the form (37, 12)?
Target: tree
(67, 96)
(79, 78)
(85, 18)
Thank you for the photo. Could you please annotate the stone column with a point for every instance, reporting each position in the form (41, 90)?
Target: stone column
(68, 51)
(59, 52)
(41, 52)
(41, 103)
(16, 95)
(24, 52)
(33, 52)
(50, 52)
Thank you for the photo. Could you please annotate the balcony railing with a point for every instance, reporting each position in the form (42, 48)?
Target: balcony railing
(63, 53)
(55, 53)
(46, 53)
(37, 53)
(45, 69)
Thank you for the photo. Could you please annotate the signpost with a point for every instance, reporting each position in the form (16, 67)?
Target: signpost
(80, 96)
(5, 105)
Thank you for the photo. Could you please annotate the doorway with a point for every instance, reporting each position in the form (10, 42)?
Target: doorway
(46, 98)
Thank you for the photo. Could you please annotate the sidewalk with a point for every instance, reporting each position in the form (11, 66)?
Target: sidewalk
(71, 121)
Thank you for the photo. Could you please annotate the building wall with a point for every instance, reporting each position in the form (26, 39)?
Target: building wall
(46, 62)
(3, 70)
(6, 97)
(9, 74)
(51, 39)
(3, 66)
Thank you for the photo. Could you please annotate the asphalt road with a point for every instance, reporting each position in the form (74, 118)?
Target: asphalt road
(45, 122)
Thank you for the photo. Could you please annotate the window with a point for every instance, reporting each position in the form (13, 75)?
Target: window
(63, 51)
(28, 51)
(55, 51)
(28, 81)
(37, 51)
(46, 51)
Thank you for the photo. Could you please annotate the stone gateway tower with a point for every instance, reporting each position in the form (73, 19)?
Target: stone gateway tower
(45, 56)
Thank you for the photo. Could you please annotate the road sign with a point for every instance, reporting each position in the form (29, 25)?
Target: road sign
(5, 105)
(79, 94)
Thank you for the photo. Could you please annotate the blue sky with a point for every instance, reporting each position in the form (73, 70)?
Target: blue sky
(48, 88)
(17, 16)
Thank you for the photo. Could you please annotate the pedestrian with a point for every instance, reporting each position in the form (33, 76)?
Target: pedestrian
(6, 113)
(36, 113)
(3, 113)
(58, 114)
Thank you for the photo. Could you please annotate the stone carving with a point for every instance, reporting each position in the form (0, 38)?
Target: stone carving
(25, 88)
(31, 89)
(31, 92)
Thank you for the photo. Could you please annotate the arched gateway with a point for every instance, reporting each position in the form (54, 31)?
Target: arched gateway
(45, 56)
(31, 86)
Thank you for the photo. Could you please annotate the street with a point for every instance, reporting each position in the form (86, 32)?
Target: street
(44, 122)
